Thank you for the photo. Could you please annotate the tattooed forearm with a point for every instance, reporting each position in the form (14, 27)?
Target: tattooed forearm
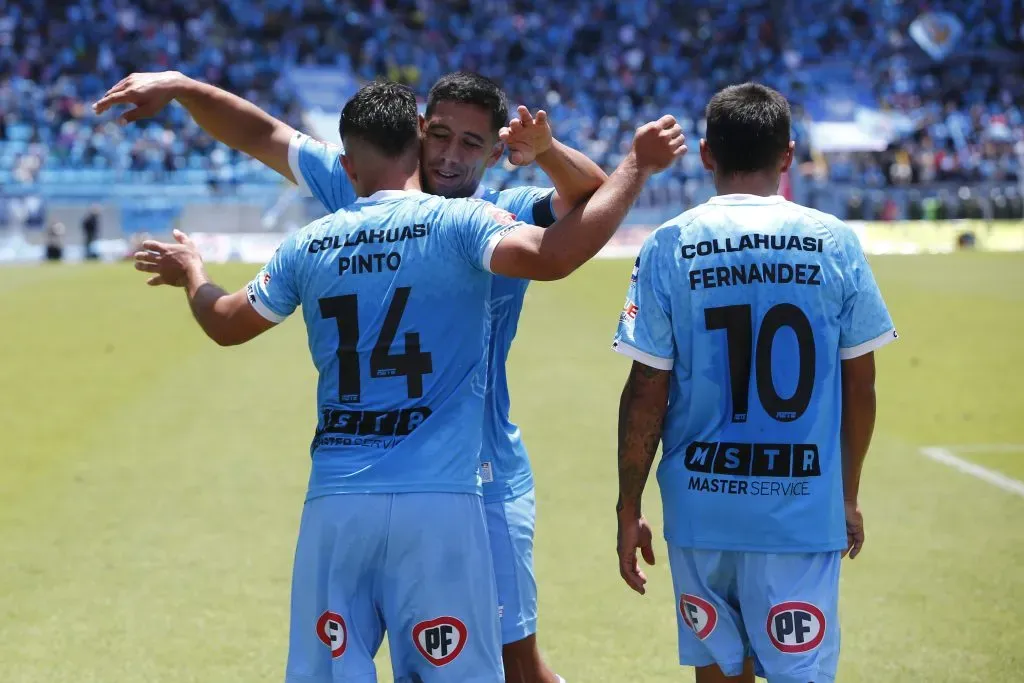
(641, 415)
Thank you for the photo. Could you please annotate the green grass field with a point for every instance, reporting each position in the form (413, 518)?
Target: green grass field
(151, 483)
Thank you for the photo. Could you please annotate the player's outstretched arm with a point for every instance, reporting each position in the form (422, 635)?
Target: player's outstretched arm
(552, 254)
(227, 118)
(227, 319)
(858, 425)
(641, 415)
(574, 175)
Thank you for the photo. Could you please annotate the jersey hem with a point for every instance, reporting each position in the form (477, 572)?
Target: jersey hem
(321, 491)
(261, 307)
(294, 148)
(712, 544)
(639, 356)
(508, 491)
(494, 241)
(870, 345)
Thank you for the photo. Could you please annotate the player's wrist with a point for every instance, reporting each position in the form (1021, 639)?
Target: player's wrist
(634, 164)
(547, 155)
(183, 87)
(630, 511)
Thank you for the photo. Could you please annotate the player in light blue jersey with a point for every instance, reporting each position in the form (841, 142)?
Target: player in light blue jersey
(752, 324)
(466, 122)
(394, 291)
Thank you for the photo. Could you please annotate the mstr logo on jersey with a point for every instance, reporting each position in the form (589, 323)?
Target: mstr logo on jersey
(796, 627)
(440, 640)
(752, 460)
(331, 631)
(699, 614)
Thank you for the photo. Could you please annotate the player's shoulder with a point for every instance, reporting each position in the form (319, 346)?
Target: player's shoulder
(671, 231)
(308, 144)
(301, 238)
(840, 231)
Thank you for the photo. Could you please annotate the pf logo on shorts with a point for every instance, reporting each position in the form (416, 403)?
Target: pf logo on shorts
(700, 615)
(796, 627)
(440, 640)
(330, 629)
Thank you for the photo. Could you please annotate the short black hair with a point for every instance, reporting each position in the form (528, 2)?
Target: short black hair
(747, 128)
(466, 87)
(384, 115)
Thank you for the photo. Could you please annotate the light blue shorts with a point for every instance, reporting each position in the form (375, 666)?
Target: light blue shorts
(411, 564)
(780, 608)
(510, 526)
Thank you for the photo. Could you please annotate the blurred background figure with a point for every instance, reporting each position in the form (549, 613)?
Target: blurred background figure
(90, 230)
(55, 241)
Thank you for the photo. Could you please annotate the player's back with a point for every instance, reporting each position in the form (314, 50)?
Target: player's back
(393, 290)
(755, 300)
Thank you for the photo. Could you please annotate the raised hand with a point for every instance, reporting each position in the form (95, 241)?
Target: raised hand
(527, 136)
(659, 143)
(171, 263)
(148, 92)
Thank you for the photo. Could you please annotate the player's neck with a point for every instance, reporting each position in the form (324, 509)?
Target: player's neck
(757, 184)
(393, 181)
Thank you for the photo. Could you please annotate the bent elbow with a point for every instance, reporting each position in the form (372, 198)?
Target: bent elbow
(223, 338)
(560, 268)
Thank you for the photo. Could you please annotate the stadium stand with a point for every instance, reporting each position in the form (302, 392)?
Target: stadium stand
(904, 109)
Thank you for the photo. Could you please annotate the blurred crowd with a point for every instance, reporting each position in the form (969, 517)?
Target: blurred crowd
(599, 67)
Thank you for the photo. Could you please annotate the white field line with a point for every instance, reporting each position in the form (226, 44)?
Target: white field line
(946, 457)
(987, 448)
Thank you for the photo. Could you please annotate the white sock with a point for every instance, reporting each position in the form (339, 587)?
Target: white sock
(560, 679)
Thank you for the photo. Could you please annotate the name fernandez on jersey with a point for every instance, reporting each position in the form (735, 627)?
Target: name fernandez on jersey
(757, 272)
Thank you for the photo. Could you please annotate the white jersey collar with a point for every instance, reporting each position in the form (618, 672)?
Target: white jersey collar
(752, 199)
(382, 195)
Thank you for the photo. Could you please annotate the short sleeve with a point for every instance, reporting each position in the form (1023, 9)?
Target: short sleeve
(865, 324)
(529, 204)
(645, 323)
(317, 169)
(477, 227)
(274, 292)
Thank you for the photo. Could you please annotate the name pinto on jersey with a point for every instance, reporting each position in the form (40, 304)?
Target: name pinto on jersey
(755, 273)
(369, 263)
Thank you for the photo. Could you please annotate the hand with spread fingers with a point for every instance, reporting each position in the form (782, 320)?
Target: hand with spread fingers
(170, 264)
(527, 136)
(147, 92)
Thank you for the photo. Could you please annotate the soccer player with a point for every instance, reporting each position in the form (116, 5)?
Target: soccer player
(394, 291)
(466, 122)
(752, 324)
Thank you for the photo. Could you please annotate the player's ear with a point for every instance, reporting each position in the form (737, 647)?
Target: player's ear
(350, 168)
(423, 125)
(705, 156)
(787, 158)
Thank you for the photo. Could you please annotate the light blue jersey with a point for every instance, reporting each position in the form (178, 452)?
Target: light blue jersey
(394, 291)
(752, 302)
(505, 466)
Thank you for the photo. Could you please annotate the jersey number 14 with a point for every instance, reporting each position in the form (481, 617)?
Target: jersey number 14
(412, 364)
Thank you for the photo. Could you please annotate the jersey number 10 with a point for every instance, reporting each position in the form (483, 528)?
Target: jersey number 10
(412, 364)
(738, 325)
